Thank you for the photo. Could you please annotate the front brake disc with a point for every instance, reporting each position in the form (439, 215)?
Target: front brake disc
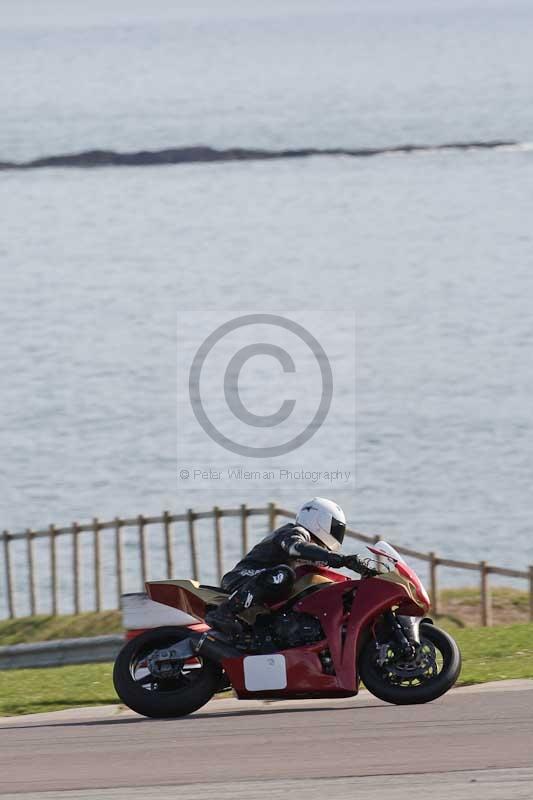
(422, 665)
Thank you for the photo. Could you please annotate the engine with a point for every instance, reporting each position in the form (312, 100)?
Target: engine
(293, 630)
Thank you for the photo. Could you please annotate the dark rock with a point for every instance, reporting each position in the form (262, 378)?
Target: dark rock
(202, 154)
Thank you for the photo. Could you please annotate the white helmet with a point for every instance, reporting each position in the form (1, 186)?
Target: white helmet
(325, 520)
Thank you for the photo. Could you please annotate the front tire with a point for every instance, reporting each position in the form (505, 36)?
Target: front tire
(430, 675)
(193, 685)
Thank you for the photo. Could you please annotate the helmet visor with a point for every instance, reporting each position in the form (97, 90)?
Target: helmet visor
(338, 529)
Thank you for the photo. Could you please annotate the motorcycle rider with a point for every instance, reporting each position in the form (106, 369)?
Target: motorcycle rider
(266, 573)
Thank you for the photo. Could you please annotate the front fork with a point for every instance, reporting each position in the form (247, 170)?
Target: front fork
(406, 632)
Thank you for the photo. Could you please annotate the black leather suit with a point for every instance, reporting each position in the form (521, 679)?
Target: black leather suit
(266, 573)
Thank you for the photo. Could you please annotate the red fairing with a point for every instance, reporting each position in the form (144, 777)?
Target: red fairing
(411, 575)
(177, 597)
(372, 598)
(305, 675)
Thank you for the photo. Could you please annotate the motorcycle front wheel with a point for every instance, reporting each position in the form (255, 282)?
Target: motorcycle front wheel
(434, 669)
(191, 685)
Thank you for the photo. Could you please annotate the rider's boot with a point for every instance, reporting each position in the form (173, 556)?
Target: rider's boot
(224, 617)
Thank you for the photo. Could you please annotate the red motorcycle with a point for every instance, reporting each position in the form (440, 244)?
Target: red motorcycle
(331, 634)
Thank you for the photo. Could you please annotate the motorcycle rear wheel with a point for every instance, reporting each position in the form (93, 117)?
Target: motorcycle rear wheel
(153, 697)
(409, 685)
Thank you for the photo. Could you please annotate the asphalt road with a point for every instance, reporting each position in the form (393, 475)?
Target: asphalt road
(473, 743)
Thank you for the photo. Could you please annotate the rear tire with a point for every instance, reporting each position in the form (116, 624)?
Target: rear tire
(170, 698)
(381, 682)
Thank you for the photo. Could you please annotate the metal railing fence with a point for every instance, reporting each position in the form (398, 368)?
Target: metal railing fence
(114, 531)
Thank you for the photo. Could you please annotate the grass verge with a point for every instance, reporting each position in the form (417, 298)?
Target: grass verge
(509, 606)
(29, 691)
(495, 654)
(43, 628)
(489, 654)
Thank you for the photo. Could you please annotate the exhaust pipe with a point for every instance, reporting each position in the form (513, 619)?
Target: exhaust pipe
(207, 644)
(162, 663)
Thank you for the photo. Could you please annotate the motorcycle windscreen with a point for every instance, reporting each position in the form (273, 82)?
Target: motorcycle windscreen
(387, 551)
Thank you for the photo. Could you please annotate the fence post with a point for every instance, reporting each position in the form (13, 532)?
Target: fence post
(31, 573)
(486, 604)
(76, 566)
(531, 593)
(9, 583)
(192, 543)
(142, 548)
(168, 543)
(272, 516)
(118, 558)
(218, 542)
(53, 567)
(244, 529)
(97, 582)
(433, 585)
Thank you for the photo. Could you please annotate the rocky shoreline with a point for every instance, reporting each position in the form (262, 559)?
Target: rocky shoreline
(202, 154)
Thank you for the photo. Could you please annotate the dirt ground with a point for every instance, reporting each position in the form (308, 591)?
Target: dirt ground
(464, 606)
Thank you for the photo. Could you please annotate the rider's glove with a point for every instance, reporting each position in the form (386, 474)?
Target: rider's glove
(335, 560)
(358, 565)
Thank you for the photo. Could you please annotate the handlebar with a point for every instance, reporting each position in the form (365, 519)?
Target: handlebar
(360, 566)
